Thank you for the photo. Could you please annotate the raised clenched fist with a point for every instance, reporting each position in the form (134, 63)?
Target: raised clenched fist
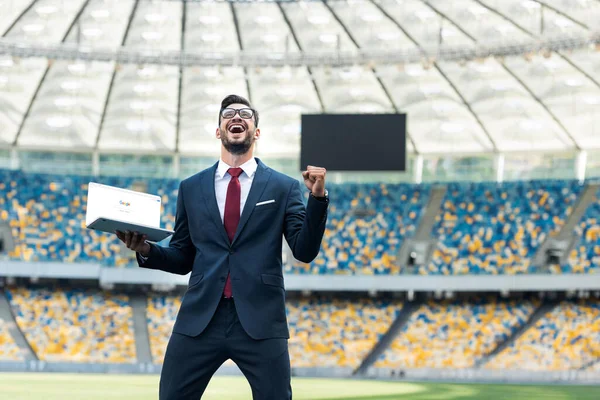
(314, 179)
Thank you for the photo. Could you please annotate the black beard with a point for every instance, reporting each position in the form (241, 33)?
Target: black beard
(237, 148)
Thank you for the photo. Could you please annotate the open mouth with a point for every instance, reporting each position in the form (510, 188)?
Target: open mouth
(236, 128)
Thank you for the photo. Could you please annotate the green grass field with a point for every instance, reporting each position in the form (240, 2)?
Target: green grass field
(18, 386)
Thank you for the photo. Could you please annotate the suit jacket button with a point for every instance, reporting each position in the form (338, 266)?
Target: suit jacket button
(230, 251)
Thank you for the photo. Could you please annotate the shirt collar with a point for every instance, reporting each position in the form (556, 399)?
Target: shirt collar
(249, 168)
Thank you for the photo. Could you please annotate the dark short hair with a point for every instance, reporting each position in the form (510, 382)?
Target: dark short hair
(235, 99)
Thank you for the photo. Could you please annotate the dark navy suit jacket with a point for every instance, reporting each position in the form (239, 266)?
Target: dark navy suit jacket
(200, 245)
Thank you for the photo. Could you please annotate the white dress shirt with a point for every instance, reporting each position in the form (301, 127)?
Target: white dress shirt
(222, 179)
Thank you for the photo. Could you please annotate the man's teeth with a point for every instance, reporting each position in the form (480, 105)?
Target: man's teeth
(236, 128)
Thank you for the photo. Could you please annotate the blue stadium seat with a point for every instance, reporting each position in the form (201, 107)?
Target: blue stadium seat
(366, 226)
(483, 228)
(490, 228)
(47, 216)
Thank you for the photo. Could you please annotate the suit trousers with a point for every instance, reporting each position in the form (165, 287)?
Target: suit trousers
(190, 362)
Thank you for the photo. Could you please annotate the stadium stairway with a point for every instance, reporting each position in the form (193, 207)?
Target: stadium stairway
(140, 329)
(431, 212)
(7, 315)
(566, 239)
(543, 309)
(386, 340)
(422, 241)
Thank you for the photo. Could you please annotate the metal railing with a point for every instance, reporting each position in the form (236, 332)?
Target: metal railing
(342, 58)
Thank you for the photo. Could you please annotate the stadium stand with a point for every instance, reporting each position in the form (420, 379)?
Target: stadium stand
(332, 332)
(75, 325)
(567, 338)
(71, 325)
(365, 228)
(483, 228)
(490, 228)
(161, 313)
(47, 216)
(47, 212)
(585, 257)
(8, 348)
(324, 332)
(455, 334)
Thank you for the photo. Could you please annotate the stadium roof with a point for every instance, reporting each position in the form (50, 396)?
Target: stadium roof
(472, 75)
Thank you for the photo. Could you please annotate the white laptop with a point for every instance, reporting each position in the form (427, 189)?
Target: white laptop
(111, 209)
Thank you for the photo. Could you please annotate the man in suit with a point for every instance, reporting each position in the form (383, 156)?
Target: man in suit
(228, 232)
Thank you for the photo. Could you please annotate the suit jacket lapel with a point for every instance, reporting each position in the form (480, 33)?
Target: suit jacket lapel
(210, 199)
(259, 183)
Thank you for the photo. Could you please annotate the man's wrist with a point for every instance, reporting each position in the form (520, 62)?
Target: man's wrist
(146, 252)
(320, 195)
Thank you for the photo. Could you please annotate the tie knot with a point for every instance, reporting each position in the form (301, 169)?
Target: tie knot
(235, 172)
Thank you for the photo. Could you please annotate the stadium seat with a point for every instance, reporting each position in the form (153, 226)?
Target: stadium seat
(75, 325)
(454, 334)
(483, 228)
(366, 226)
(161, 312)
(323, 332)
(9, 351)
(330, 333)
(567, 338)
(490, 228)
(365, 229)
(47, 215)
(585, 256)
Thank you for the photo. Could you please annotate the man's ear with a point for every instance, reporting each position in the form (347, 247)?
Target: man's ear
(218, 133)
(256, 134)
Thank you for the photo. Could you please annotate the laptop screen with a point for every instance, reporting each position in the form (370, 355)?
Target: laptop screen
(122, 205)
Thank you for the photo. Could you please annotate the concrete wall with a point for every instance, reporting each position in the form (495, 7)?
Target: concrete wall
(484, 375)
(144, 368)
(391, 283)
(424, 374)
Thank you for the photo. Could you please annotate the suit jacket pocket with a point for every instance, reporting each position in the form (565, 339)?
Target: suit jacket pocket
(195, 280)
(273, 280)
(265, 207)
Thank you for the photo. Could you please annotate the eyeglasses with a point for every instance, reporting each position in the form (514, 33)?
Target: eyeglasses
(245, 113)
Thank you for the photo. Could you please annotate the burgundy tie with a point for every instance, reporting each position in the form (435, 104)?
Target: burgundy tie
(232, 213)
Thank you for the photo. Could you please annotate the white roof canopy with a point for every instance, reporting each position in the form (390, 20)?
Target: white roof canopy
(533, 102)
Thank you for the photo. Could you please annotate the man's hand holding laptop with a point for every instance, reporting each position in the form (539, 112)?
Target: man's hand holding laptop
(135, 241)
